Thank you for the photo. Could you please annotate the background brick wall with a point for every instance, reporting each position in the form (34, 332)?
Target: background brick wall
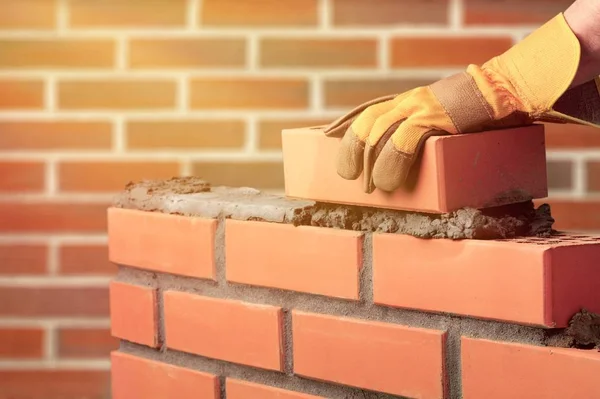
(94, 94)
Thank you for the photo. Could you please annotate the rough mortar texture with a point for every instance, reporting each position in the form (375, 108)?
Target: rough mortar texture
(191, 196)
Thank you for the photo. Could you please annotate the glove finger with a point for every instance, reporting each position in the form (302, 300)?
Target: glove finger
(338, 127)
(392, 166)
(352, 145)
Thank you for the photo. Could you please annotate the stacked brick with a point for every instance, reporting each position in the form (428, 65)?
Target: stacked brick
(221, 294)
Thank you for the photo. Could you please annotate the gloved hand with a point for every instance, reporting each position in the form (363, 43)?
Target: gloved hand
(528, 83)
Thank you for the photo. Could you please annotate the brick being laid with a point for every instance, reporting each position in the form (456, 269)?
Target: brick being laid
(456, 171)
(531, 280)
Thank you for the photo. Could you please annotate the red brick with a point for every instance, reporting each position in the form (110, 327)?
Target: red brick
(54, 384)
(27, 14)
(410, 52)
(347, 93)
(318, 53)
(86, 343)
(186, 53)
(156, 14)
(593, 176)
(186, 134)
(53, 302)
(512, 12)
(64, 135)
(23, 259)
(21, 94)
(57, 53)
(136, 377)
(570, 136)
(575, 215)
(509, 370)
(537, 281)
(269, 130)
(134, 313)
(238, 389)
(256, 13)
(233, 331)
(456, 171)
(370, 355)
(45, 217)
(124, 95)
(162, 242)
(249, 93)
(110, 176)
(21, 176)
(80, 259)
(308, 259)
(20, 343)
(357, 13)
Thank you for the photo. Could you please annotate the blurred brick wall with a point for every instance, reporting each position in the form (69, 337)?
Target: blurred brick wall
(95, 93)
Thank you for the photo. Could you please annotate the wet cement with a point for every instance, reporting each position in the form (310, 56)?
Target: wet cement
(191, 196)
(584, 330)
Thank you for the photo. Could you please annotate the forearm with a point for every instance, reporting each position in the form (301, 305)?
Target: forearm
(583, 16)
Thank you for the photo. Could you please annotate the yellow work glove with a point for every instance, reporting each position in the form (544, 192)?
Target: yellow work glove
(528, 83)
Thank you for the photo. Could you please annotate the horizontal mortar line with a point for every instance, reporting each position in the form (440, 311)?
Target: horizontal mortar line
(318, 304)
(257, 375)
(55, 322)
(75, 198)
(267, 73)
(54, 281)
(583, 154)
(147, 156)
(333, 32)
(16, 238)
(53, 364)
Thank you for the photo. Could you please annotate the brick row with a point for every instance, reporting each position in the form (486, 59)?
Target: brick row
(63, 383)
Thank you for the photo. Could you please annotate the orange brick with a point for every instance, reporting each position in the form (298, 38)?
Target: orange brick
(456, 171)
(575, 215)
(23, 258)
(27, 14)
(21, 343)
(258, 13)
(388, 12)
(55, 135)
(183, 53)
(22, 176)
(134, 313)
(319, 53)
(233, 331)
(54, 384)
(371, 355)
(80, 259)
(249, 93)
(512, 12)
(308, 259)
(77, 343)
(347, 93)
(238, 389)
(110, 176)
(113, 94)
(162, 242)
(127, 14)
(186, 134)
(409, 52)
(260, 175)
(593, 176)
(566, 136)
(58, 53)
(53, 302)
(136, 377)
(269, 130)
(21, 94)
(508, 370)
(52, 217)
(530, 281)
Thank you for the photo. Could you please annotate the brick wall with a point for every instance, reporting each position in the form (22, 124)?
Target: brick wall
(95, 94)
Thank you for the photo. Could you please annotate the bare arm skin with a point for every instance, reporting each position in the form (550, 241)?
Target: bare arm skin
(583, 16)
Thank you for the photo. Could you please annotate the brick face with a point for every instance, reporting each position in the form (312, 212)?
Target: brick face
(64, 135)
(512, 12)
(375, 13)
(23, 343)
(63, 384)
(228, 330)
(318, 53)
(261, 175)
(62, 53)
(22, 177)
(134, 313)
(365, 354)
(127, 14)
(20, 14)
(21, 94)
(53, 302)
(23, 259)
(85, 343)
(80, 259)
(258, 13)
(238, 389)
